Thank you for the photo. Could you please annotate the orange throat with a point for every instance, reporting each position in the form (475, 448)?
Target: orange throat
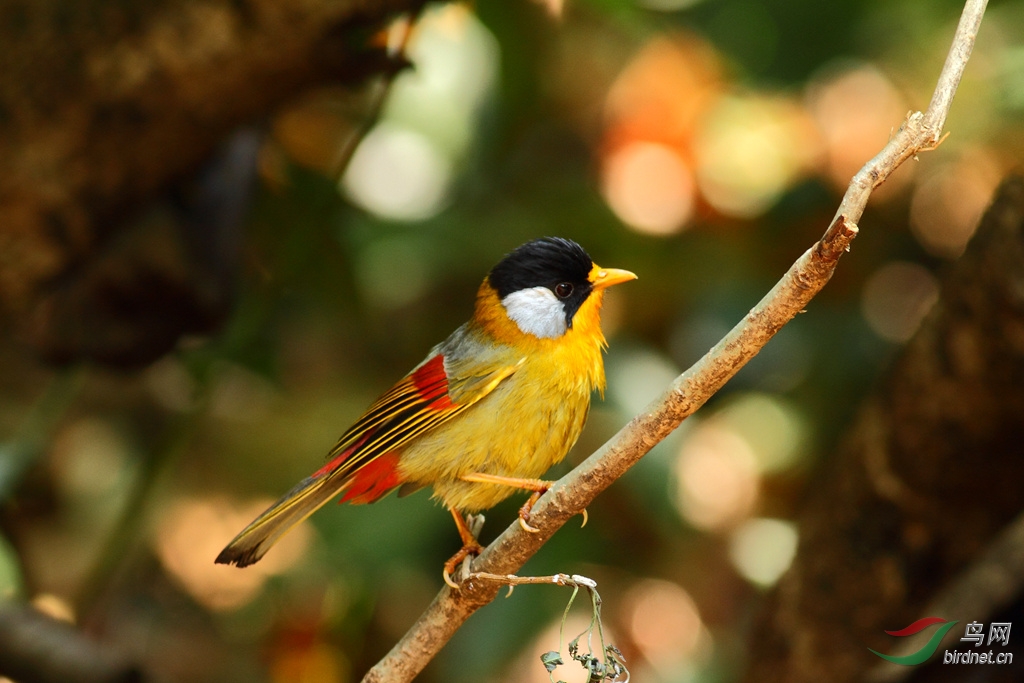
(576, 353)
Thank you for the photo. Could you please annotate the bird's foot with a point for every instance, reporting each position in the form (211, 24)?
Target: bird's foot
(458, 558)
(538, 486)
(470, 546)
(524, 512)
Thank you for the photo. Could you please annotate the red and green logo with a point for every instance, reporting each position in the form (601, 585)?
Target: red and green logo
(929, 648)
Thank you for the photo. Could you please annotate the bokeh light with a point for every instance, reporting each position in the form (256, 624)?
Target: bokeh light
(554, 8)
(403, 169)
(771, 425)
(54, 606)
(663, 92)
(948, 202)
(723, 458)
(665, 625)
(857, 108)
(456, 64)
(637, 376)
(896, 298)
(762, 549)
(192, 533)
(170, 384)
(717, 477)
(309, 660)
(649, 187)
(752, 148)
(240, 394)
(91, 460)
(651, 113)
(398, 173)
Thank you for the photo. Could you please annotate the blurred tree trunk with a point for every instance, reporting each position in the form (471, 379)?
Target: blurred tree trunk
(103, 106)
(926, 477)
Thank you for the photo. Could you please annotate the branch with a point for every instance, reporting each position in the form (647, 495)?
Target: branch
(571, 494)
(35, 648)
(920, 132)
(920, 511)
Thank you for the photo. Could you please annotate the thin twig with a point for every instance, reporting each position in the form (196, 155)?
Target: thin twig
(401, 32)
(920, 132)
(512, 580)
(610, 665)
(571, 494)
(19, 454)
(123, 536)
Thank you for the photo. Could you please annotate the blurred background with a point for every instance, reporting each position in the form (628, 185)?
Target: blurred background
(703, 144)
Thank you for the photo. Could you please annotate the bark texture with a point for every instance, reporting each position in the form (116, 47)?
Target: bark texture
(104, 106)
(927, 477)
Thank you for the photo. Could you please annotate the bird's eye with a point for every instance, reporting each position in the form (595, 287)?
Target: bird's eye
(563, 290)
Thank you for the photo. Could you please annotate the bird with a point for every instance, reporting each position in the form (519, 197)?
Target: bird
(486, 413)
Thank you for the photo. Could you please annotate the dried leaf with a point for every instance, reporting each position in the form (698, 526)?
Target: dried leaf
(551, 660)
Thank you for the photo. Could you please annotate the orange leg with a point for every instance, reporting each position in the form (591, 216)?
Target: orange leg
(538, 486)
(470, 546)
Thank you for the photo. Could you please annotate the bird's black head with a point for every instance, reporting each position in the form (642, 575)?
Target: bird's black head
(554, 263)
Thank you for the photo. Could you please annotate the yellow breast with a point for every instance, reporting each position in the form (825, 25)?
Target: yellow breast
(528, 423)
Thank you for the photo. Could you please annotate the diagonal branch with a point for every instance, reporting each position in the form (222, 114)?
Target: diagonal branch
(919, 512)
(571, 494)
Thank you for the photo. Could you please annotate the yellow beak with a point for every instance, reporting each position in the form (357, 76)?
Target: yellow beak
(600, 278)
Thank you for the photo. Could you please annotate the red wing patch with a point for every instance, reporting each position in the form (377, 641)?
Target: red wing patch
(365, 459)
(373, 480)
(431, 382)
(338, 460)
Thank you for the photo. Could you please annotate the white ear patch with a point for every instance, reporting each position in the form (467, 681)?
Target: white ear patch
(536, 311)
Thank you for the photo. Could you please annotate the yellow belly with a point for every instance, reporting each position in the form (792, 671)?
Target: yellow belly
(521, 429)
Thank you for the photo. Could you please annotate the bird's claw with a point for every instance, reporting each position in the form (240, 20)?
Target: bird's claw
(524, 513)
(526, 526)
(525, 510)
(448, 578)
(455, 560)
